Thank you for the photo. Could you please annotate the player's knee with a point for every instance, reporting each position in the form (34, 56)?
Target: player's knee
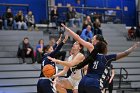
(58, 86)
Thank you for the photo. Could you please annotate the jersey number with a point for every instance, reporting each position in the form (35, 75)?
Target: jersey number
(95, 65)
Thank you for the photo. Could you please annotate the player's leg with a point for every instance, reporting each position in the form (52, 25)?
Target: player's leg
(62, 85)
(75, 91)
(45, 86)
(75, 84)
(39, 87)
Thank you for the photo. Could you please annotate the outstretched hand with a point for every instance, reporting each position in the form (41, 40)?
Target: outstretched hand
(52, 59)
(65, 26)
(137, 44)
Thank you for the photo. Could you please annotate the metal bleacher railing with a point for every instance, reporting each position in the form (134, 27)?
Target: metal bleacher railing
(124, 76)
(128, 78)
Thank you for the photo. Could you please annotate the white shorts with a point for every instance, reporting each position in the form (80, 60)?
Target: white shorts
(74, 82)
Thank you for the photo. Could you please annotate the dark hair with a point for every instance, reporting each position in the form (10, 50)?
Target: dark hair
(82, 48)
(26, 38)
(100, 38)
(77, 0)
(39, 41)
(99, 48)
(78, 32)
(46, 48)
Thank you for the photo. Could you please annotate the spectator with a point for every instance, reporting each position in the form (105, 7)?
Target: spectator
(78, 1)
(87, 34)
(8, 19)
(39, 51)
(97, 26)
(25, 50)
(92, 16)
(72, 18)
(54, 15)
(131, 33)
(110, 15)
(20, 21)
(95, 16)
(87, 22)
(30, 21)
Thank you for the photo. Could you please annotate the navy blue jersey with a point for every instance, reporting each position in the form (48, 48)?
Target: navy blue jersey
(96, 69)
(52, 54)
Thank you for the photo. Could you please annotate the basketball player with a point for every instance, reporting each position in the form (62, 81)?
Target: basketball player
(44, 84)
(73, 80)
(108, 83)
(90, 83)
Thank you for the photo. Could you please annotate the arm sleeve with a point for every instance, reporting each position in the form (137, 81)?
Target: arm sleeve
(30, 46)
(55, 45)
(52, 54)
(20, 45)
(110, 58)
(38, 46)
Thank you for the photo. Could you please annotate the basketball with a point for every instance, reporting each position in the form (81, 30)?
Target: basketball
(48, 70)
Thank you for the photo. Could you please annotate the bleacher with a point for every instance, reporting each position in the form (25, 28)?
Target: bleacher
(115, 34)
(15, 77)
(22, 78)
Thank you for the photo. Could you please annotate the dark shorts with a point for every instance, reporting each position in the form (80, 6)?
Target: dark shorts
(90, 89)
(86, 87)
(45, 86)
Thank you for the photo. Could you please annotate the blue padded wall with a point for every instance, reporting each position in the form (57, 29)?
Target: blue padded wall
(129, 17)
(40, 11)
(37, 6)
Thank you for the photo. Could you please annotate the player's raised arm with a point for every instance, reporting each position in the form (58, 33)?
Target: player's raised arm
(88, 45)
(128, 51)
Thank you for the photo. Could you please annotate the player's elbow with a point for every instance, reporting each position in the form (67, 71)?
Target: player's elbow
(70, 64)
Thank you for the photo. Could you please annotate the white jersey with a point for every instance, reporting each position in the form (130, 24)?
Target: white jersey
(77, 75)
